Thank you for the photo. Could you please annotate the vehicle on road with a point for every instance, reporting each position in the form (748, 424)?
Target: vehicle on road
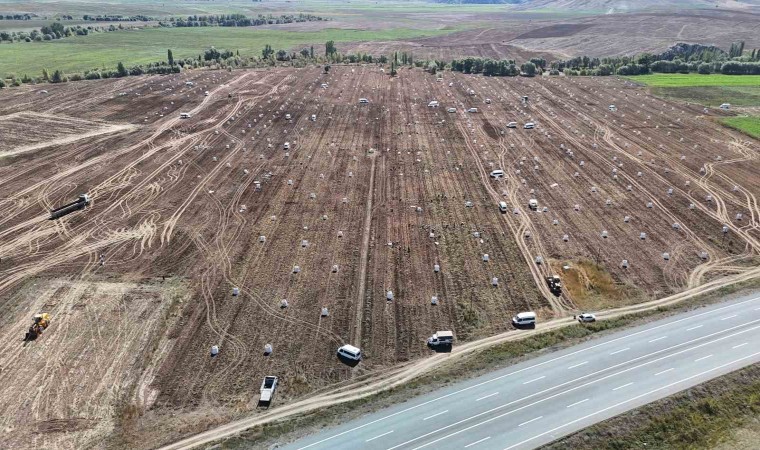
(512, 125)
(433, 104)
(488, 101)
(524, 320)
(529, 126)
(586, 317)
(613, 108)
(184, 115)
(451, 110)
(363, 101)
(498, 173)
(725, 106)
(268, 386)
(503, 207)
(472, 110)
(533, 204)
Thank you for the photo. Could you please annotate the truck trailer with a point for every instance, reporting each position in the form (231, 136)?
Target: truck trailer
(81, 203)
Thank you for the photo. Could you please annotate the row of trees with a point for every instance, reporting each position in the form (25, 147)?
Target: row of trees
(239, 20)
(56, 31)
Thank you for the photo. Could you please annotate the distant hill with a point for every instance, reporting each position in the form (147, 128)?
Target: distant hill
(616, 6)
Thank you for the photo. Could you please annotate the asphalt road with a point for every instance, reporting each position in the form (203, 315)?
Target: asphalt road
(532, 403)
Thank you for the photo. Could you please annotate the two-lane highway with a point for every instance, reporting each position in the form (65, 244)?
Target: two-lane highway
(532, 403)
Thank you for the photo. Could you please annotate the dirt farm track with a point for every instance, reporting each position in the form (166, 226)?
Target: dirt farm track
(367, 199)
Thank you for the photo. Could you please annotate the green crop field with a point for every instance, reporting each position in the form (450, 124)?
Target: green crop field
(695, 79)
(748, 125)
(105, 50)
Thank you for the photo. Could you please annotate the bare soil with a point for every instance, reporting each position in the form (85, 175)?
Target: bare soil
(179, 198)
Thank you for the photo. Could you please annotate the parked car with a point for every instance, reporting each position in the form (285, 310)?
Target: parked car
(586, 317)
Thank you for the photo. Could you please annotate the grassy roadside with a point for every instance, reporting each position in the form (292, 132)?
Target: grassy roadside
(747, 125)
(700, 417)
(492, 358)
(695, 79)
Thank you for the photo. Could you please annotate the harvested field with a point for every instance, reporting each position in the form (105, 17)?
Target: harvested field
(383, 191)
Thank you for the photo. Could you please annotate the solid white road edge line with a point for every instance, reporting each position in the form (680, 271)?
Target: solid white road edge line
(435, 415)
(489, 395)
(631, 399)
(558, 394)
(384, 434)
(359, 427)
(477, 442)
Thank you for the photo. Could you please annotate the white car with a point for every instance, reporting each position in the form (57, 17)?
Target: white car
(498, 173)
(512, 125)
(433, 104)
(451, 110)
(363, 100)
(586, 317)
(472, 110)
(529, 126)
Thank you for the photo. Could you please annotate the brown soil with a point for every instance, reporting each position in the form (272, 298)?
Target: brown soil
(178, 198)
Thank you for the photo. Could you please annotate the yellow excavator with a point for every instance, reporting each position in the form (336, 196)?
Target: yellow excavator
(41, 321)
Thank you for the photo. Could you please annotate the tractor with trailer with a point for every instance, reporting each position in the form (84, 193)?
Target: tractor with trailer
(81, 203)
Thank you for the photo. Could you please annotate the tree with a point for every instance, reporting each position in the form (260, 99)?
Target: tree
(282, 55)
(529, 69)
(45, 75)
(121, 71)
(311, 52)
(2, 83)
(704, 69)
(330, 48)
(57, 77)
(267, 52)
(327, 68)
(170, 57)
(305, 52)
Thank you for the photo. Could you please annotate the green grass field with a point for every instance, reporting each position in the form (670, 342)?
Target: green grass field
(748, 125)
(695, 79)
(105, 50)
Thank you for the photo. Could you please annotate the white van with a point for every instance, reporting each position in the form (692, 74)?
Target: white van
(524, 320)
(451, 110)
(206, 94)
(488, 101)
(350, 352)
(313, 117)
(287, 116)
(503, 207)
(498, 173)
(184, 115)
(324, 85)
(725, 106)
(472, 110)
(529, 126)
(286, 146)
(433, 104)
(363, 101)
(613, 108)
(533, 204)
(512, 125)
